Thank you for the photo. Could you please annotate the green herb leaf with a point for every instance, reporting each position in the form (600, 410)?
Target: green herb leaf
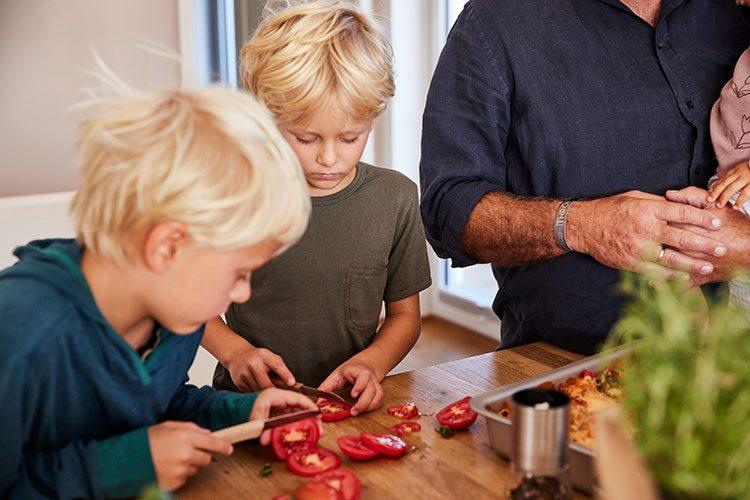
(687, 387)
(445, 431)
(266, 469)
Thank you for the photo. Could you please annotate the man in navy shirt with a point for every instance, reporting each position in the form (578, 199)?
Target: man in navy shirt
(537, 103)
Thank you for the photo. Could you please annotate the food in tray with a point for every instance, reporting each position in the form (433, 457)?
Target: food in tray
(588, 393)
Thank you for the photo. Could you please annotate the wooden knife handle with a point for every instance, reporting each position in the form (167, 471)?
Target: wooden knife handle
(241, 432)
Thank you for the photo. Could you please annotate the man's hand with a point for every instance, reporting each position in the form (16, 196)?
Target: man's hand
(280, 401)
(628, 231)
(249, 369)
(179, 449)
(735, 231)
(366, 390)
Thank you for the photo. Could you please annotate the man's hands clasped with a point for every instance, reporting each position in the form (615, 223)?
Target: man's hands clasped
(628, 231)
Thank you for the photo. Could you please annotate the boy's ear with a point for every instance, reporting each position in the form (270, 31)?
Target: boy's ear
(163, 244)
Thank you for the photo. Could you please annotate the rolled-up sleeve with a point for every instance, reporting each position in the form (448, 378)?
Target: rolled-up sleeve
(464, 135)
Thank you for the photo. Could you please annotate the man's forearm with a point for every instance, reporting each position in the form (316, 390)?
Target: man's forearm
(509, 231)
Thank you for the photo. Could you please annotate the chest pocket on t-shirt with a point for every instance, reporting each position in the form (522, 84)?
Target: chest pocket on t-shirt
(364, 296)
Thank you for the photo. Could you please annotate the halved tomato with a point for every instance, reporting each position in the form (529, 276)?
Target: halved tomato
(295, 436)
(317, 491)
(312, 461)
(353, 448)
(458, 415)
(334, 410)
(404, 428)
(387, 444)
(406, 411)
(341, 480)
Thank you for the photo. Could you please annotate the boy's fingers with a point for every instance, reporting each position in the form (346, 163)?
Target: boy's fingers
(261, 378)
(365, 398)
(332, 382)
(360, 383)
(277, 365)
(212, 444)
(200, 458)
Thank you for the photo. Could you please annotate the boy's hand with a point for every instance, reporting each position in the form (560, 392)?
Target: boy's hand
(249, 369)
(366, 390)
(736, 179)
(280, 401)
(179, 449)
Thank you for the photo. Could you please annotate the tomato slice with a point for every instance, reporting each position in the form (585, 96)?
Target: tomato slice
(353, 448)
(387, 444)
(406, 411)
(587, 374)
(313, 461)
(293, 437)
(458, 415)
(317, 491)
(341, 480)
(404, 428)
(334, 410)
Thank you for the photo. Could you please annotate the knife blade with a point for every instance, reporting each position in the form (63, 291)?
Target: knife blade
(307, 390)
(254, 428)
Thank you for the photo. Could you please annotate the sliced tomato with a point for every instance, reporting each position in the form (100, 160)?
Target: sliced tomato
(406, 411)
(546, 385)
(317, 491)
(587, 374)
(387, 444)
(295, 436)
(343, 481)
(313, 461)
(458, 415)
(404, 428)
(353, 448)
(334, 410)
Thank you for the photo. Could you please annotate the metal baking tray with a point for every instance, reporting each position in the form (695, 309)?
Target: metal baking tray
(581, 458)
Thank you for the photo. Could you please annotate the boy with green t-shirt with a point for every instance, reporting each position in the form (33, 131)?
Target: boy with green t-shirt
(325, 72)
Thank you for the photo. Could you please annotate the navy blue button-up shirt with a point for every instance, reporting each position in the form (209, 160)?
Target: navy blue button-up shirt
(569, 99)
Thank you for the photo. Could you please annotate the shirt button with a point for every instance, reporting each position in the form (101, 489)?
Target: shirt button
(690, 104)
(697, 170)
(659, 45)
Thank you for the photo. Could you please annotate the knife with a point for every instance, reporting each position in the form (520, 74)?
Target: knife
(254, 428)
(308, 391)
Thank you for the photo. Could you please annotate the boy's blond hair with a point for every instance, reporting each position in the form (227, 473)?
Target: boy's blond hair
(211, 158)
(323, 54)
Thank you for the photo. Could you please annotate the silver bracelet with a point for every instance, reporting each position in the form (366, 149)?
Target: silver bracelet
(558, 229)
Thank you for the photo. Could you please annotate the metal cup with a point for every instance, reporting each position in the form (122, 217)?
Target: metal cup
(539, 443)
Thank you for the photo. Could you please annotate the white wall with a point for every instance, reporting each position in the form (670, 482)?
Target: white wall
(44, 50)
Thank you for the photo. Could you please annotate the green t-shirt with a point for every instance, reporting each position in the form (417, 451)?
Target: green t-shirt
(319, 303)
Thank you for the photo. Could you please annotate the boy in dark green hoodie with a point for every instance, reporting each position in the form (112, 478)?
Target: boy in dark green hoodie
(183, 195)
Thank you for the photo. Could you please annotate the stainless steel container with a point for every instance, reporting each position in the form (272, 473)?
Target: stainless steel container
(539, 443)
(499, 428)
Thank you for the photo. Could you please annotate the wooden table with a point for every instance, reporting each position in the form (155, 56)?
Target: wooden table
(464, 466)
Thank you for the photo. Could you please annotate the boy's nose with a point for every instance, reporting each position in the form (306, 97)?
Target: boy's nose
(241, 292)
(327, 155)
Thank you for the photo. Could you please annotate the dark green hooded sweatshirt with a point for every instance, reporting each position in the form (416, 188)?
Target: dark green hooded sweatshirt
(75, 399)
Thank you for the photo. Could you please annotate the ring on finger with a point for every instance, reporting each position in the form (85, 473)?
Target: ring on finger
(661, 255)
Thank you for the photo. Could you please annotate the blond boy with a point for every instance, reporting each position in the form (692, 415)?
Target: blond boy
(325, 71)
(183, 195)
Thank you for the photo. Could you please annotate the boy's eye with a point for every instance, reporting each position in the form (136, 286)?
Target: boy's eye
(349, 141)
(303, 141)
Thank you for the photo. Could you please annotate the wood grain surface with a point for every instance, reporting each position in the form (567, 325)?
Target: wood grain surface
(463, 466)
